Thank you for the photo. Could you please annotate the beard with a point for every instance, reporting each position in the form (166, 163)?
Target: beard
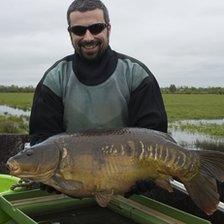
(91, 50)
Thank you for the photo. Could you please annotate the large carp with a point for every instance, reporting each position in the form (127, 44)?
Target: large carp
(101, 163)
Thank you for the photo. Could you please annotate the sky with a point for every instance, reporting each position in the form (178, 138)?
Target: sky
(180, 41)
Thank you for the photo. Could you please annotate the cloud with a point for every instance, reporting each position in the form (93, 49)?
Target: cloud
(182, 42)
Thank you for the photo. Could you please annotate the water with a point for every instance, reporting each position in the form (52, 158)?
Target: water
(7, 110)
(197, 140)
(202, 121)
(184, 138)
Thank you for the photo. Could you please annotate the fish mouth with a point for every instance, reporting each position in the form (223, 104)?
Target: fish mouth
(16, 170)
(13, 167)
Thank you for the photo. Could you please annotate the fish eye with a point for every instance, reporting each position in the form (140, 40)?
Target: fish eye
(29, 153)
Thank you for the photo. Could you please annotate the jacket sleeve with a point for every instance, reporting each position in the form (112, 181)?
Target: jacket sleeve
(146, 107)
(46, 117)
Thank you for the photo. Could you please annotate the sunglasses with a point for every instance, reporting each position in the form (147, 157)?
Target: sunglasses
(93, 29)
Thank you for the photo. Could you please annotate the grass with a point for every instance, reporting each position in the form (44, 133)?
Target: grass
(18, 100)
(178, 106)
(205, 128)
(194, 106)
(210, 129)
(13, 124)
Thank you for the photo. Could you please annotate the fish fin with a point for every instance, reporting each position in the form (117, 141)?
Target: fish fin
(165, 136)
(202, 188)
(203, 191)
(212, 163)
(103, 198)
(164, 183)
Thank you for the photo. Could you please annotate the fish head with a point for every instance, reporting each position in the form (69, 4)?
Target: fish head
(37, 163)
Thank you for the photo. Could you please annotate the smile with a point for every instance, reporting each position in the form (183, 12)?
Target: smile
(90, 46)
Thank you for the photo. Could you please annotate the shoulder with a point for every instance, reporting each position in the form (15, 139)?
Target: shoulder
(58, 74)
(133, 62)
(59, 65)
(136, 71)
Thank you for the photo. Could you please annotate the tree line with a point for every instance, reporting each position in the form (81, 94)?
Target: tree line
(16, 89)
(171, 89)
(193, 90)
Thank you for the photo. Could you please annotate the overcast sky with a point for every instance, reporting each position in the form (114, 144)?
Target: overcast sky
(180, 41)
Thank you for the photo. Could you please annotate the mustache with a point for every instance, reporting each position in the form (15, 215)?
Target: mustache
(88, 43)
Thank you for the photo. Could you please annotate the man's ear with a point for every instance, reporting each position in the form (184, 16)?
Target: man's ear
(109, 28)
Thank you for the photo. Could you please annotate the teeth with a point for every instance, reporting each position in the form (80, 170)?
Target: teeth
(90, 46)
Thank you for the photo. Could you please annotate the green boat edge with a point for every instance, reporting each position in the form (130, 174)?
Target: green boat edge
(18, 206)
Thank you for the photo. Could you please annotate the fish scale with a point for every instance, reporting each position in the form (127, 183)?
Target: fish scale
(101, 163)
(111, 171)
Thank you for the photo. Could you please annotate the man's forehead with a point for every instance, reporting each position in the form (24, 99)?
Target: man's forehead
(86, 18)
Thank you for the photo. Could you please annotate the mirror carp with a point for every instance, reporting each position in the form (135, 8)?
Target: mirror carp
(101, 163)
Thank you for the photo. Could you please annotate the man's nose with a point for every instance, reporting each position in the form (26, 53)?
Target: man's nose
(88, 36)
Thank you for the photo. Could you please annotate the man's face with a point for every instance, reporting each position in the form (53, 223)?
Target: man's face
(90, 46)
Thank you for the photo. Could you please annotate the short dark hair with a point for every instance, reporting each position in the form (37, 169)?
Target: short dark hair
(87, 5)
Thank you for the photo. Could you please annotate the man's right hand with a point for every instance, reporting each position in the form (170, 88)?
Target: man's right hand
(48, 188)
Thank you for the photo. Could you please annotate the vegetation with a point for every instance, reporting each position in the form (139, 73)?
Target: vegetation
(16, 89)
(178, 106)
(18, 100)
(13, 124)
(194, 106)
(205, 128)
(171, 89)
(192, 90)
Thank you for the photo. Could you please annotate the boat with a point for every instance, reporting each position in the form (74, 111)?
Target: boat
(37, 206)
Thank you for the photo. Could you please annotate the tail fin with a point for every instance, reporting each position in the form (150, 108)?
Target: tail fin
(203, 187)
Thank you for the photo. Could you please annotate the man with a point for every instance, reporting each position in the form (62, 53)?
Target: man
(95, 87)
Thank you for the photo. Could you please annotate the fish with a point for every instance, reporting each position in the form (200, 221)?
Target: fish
(101, 163)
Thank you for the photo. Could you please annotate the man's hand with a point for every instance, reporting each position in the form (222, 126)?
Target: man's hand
(48, 188)
(140, 187)
(25, 184)
(30, 185)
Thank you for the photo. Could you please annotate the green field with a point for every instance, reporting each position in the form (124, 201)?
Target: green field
(19, 100)
(194, 106)
(178, 106)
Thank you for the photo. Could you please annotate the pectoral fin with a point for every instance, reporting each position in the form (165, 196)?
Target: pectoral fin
(67, 184)
(103, 198)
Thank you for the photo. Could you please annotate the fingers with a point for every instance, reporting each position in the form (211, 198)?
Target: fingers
(48, 188)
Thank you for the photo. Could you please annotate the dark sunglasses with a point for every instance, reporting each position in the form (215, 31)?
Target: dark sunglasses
(93, 29)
